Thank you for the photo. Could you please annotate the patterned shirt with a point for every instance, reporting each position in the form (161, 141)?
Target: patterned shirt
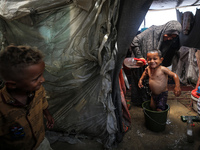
(22, 126)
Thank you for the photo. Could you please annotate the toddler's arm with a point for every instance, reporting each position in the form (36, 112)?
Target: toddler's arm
(144, 74)
(50, 120)
(140, 63)
(177, 89)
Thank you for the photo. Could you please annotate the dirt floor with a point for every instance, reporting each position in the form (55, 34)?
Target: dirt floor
(140, 138)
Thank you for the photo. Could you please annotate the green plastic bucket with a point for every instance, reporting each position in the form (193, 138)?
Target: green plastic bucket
(154, 120)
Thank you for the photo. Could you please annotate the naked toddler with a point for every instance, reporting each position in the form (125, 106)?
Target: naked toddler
(158, 80)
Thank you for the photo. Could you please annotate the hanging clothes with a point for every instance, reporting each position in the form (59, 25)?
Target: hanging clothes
(126, 120)
(186, 65)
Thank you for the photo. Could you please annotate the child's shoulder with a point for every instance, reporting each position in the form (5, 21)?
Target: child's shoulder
(163, 67)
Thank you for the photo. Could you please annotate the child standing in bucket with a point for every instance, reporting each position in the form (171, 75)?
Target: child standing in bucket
(23, 104)
(158, 80)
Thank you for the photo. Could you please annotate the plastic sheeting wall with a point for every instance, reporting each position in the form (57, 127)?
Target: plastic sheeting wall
(77, 76)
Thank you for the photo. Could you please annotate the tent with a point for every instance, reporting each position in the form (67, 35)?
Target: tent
(85, 43)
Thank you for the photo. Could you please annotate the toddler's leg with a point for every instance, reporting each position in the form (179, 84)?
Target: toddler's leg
(152, 104)
(158, 109)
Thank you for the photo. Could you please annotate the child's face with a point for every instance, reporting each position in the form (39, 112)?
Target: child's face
(154, 60)
(32, 78)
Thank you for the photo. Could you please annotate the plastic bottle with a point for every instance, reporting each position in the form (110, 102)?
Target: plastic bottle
(190, 136)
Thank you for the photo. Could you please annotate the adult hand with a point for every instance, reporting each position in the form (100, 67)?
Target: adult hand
(140, 63)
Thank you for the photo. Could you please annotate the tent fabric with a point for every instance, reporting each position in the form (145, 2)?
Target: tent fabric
(83, 56)
(193, 38)
(12, 10)
(131, 15)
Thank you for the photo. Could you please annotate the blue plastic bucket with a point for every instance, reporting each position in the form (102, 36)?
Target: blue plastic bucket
(154, 120)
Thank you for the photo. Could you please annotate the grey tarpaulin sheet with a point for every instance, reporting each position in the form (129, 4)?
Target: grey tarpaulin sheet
(77, 76)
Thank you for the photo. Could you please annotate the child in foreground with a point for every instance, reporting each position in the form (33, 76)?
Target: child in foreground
(23, 104)
(158, 80)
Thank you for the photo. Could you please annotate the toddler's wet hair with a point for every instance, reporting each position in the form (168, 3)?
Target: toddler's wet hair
(155, 51)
